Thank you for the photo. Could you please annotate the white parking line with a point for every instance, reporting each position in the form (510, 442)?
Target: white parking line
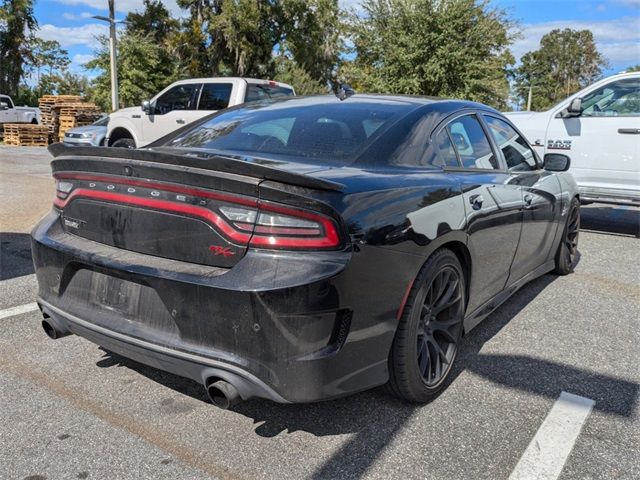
(548, 451)
(20, 309)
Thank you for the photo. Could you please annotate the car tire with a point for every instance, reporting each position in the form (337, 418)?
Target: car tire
(428, 335)
(124, 143)
(568, 248)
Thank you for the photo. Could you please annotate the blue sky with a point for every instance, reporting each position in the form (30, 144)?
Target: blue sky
(614, 23)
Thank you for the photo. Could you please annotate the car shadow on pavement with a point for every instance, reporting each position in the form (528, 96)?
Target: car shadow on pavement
(373, 418)
(602, 218)
(15, 255)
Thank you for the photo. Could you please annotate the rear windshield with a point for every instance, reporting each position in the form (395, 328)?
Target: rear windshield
(334, 132)
(262, 91)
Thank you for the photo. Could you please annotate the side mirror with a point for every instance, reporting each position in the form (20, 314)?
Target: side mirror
(556, 162)
(4, 106)
(574, 109)
(459, 140)
(146, 107)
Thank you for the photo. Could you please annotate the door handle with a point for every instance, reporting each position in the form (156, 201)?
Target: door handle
(476, 201)
(527, 200)
(181, 121)
(629, 131)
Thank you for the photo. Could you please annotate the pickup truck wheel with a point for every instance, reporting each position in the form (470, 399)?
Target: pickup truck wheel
(124, 143)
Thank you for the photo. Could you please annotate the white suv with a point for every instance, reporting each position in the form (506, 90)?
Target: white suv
(599, 128)
(184, 102)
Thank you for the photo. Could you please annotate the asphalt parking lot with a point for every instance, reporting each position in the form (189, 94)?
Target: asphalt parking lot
(69, 409)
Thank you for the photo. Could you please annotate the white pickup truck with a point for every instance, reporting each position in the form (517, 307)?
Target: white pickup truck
(9, 113)
(599, 128)
(184, 102)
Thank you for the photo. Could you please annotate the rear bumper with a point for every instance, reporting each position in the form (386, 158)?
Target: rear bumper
(289, 327)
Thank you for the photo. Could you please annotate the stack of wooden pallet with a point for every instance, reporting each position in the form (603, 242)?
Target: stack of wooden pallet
(47, 114)
(72, 115)
(26, 135)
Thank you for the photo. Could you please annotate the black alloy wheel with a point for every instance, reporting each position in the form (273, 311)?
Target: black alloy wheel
(430, 330)
(567, 253)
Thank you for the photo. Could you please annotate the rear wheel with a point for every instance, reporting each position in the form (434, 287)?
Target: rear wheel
(568, 248)
(124, 143)
(430, 330)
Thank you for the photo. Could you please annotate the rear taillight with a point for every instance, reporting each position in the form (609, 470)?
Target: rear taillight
(243, 220)
(276, 226)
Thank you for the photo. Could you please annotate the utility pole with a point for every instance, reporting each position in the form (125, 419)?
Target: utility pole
(529, 99)
(111, 20)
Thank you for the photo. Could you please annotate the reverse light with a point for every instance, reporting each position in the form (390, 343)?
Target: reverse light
(63, 188)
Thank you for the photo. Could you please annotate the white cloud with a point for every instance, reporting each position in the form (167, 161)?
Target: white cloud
(618, 40)
(122, 6)
(72, 16)
(72, 36)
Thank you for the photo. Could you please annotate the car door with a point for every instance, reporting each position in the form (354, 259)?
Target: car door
(542, 197)
(604, 140)
(493, 206)
(170, 111)
(8, 115)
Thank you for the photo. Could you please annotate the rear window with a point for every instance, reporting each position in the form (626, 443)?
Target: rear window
(335, 133)
(264, 91)
(215, 96)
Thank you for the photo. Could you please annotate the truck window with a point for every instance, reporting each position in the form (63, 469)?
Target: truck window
(617, 99)
(6, 100)
(264, 91)
(180, 97)
(215, 96)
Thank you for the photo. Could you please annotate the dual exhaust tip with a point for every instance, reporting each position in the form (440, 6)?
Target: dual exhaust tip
(220, 392)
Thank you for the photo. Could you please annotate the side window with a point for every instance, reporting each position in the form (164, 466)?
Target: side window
(7, 100)
(445, 153)
(518, 155)
(180, 97)
(617, 99)
(471, 143)
(263, 91)
(215, 96)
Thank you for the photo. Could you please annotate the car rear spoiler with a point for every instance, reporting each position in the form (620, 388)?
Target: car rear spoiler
(205, 161)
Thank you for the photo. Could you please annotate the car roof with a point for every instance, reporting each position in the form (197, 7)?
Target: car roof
(439, 106)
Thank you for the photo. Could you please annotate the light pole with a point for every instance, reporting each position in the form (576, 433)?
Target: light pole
(112, 53)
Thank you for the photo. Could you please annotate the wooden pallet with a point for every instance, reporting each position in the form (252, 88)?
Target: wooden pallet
(60, 113)
(26, 134)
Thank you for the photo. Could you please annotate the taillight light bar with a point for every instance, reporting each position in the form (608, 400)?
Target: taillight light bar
(243, 221)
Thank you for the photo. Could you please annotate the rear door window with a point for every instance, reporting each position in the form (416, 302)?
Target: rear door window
(215, 96)
(471, 143)
(445, 153)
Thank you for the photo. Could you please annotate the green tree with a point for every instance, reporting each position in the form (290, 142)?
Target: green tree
(17, 24)
(146, 59)
(288, 71)
(566, 62)
(448, 48)
(48, 55)
(635, 68)
(63, 83)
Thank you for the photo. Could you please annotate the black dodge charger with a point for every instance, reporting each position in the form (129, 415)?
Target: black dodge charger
(303, 249)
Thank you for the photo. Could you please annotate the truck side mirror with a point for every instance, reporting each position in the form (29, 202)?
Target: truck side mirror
(574, 109)
(556, 162)
(4, 106)
(146, 107)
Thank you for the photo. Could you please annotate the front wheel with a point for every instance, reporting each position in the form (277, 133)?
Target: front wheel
(430, 330)
(568, 248)
(124, 143)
